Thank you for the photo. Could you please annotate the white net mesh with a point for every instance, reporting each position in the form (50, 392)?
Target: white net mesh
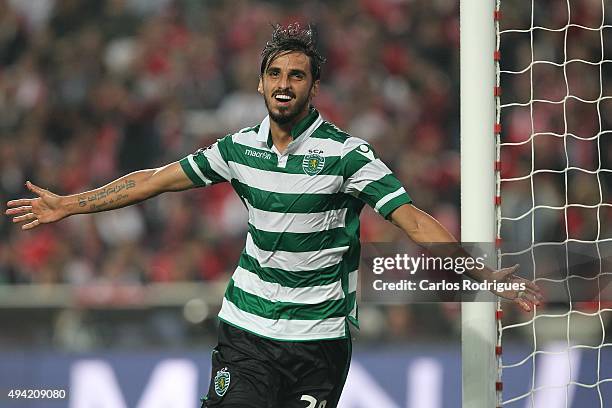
(554, 180)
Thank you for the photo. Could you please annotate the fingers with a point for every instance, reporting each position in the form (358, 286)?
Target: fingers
(20, 202)
(24, 213)
(524, 304)
(504, 273)
(34, 188)
(531, 288)
(531, 294)
(536, 293)
(525, 295)
(19, 210)
(23, 202)
(31, 225)
(25, 217)
(526, 300)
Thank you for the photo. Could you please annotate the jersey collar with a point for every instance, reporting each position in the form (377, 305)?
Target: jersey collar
(301, 130)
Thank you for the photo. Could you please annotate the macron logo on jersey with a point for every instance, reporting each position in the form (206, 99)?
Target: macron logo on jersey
(261, 155)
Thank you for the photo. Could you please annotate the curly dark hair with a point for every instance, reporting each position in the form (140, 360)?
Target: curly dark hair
(293, 38)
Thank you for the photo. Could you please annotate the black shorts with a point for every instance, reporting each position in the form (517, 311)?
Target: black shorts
(252, 371)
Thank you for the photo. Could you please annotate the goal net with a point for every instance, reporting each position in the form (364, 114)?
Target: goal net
(554, 193)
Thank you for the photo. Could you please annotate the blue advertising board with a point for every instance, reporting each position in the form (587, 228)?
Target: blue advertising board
(426, 376)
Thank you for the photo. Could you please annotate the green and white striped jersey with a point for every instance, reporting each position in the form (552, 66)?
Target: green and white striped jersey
(296, 279)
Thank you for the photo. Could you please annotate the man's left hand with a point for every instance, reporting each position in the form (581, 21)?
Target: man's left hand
(527, 299)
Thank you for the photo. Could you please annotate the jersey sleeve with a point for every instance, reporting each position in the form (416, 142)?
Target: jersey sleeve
(208, 165)
(369, 179)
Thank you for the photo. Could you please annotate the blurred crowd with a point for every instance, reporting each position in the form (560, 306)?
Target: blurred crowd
(91, 90)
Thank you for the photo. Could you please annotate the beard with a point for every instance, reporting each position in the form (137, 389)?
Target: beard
(286, 115)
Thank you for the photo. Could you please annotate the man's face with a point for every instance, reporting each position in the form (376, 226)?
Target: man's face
(287, 87)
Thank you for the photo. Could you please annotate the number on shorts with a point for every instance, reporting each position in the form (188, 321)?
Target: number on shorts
(312, 402)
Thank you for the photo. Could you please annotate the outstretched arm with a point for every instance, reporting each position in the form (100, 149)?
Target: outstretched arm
(423, 229)
(129, 189)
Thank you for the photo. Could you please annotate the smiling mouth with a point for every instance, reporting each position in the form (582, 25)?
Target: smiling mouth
(283, 98)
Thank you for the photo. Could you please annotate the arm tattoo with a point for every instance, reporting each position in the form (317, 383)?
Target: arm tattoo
(110, 195)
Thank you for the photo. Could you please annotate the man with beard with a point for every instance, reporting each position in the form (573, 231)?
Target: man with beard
(284, 337)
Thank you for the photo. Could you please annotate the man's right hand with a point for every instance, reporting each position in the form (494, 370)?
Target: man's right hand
(127, 190)
(44, 209)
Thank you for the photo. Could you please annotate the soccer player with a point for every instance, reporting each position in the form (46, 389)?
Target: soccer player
(284, 339)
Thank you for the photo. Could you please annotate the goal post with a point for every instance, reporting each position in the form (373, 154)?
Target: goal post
(478, 332)
(550, 201)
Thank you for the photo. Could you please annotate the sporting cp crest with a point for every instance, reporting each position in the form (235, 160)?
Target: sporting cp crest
(222, 381)
(313, 162)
